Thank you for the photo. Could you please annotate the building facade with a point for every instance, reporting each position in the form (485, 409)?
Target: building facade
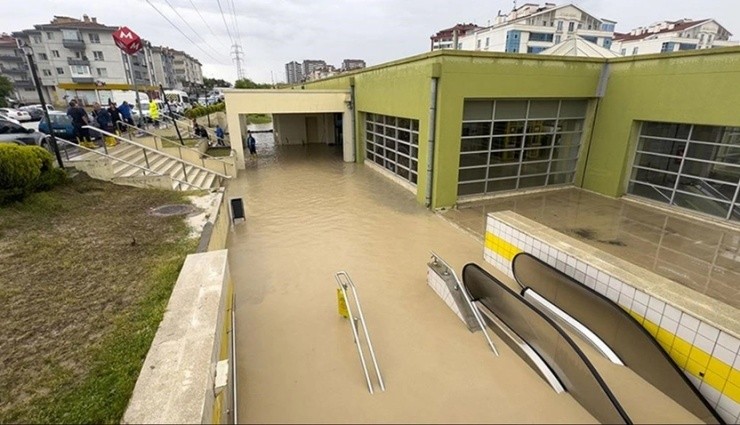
(530, 28)
(188, 72)
(673, 36)
(449, 38)
(163, 69)
(293, 72)
(350, 64)
(308, 66)
(14, 66)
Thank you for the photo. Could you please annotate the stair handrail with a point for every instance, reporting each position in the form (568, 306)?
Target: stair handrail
(174, 142)
(466, 296)
(111, 157)
(147, 148)
(345, 282)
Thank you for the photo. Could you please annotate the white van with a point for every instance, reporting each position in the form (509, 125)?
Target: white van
(178, 99)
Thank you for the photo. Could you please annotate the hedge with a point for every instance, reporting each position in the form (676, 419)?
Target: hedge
(201, 111)
(26, 169)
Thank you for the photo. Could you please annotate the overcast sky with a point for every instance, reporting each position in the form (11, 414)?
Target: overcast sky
(274, 32)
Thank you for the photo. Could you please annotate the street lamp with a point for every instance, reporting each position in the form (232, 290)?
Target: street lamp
(28, 51)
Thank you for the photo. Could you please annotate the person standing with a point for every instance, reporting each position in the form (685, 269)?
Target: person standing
(251, 143)
(154, 113)
(115, 117)
(79, 121)
(126, 113)
(104, 120)
(219, 136)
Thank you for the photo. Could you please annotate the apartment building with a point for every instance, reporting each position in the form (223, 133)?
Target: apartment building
(187, 69)
(673, 36)
(14, 66)
(163, 67)
(530, 28)
(309, 65)
(448, 38)
(293, 72)
(350, 64)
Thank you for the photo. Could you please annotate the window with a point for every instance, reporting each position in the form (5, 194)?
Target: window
(78, 55)
(686, 46)
(557, 39)
(689, 166)
(571, 26)
(80, 70)
(538, 36)
(509, 145)
(623, 52)
(607, 43)
(46, 72)
(137, 75)
(488, 41)
(94, 38)
(590, 39)
(102, 72)
(55, 53)
(37, 39)
(60, 71)
(560, 25)
(98, 56)
(666, 47)
(531, 49)
(393, 143)
(43, 57)
(477, 45)
(634, 51)
(71, 35)
(49, 35)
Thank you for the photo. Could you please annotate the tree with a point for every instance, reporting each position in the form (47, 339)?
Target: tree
(246, 83)
(210, 83)
(6, 88)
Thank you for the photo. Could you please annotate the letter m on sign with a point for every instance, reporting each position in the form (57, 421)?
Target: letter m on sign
(127, 40)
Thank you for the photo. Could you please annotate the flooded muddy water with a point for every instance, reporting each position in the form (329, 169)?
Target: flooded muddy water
(310, 215)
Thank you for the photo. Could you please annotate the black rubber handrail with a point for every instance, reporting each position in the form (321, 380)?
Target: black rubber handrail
(579, 377)
(625, 335)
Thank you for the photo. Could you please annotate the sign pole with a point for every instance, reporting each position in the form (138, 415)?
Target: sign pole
(136, 90)
(169, 108)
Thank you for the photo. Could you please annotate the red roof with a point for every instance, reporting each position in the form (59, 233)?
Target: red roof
(677, 26)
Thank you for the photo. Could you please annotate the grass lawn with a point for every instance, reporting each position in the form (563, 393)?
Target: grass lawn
(219, 151)
(259, 118)
(86, 275)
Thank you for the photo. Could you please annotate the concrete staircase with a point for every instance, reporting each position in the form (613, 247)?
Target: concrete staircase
(134, 164)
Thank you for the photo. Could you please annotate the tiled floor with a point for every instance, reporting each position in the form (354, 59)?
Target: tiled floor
(697, 254)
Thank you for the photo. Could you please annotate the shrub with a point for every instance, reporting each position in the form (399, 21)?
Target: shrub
(201, 111)
(25, 169)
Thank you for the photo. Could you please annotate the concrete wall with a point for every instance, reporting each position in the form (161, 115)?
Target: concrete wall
(291, 129)
(179, 382)
(695, 87)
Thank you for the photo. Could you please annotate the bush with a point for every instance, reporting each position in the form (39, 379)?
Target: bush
(26, 169)
(201, 111)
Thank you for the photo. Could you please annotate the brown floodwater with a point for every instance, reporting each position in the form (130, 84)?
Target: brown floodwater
(310, 215)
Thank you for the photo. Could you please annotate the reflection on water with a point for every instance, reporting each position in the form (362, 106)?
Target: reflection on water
(310, 215)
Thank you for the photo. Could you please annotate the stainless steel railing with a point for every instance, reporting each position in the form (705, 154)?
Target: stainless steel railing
(158, 143)
(436, 259)
(113, 158)
(345, 283)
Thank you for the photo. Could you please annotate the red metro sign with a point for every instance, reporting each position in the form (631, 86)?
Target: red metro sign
(127, 40)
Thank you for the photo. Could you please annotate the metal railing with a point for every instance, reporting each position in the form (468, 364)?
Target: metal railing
(158, 144)
(113, 158)
(345, 282)
(436, 259)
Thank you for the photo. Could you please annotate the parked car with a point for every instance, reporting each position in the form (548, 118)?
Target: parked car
(16, 114)
(5, 117)
(61, 123)
(35, 111)
(11, 132)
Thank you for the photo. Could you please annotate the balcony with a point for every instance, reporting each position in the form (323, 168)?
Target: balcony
(13, 71)
(73, 43)
(81, 78)
(11, 58)
(73, 61)
(23, 84)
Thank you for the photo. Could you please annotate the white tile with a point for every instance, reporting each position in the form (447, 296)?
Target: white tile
(709, 393)
(625, 300)
(694, 380)
(689, 321)
(727, 416)
(639, 308)
(612, 294)
(686, 334)
(704, 343)
(580, 276)
(653, 316)
(592, 271)
(724, 354)
(708, 331)
(600, 288)
(672, 312)
(656, 305)
(603, 278)
(669, 324)
(562, 257)
(572, 261)
(581, 266)
(615, 283)
(628, 290)
(736, 363)
(731, 406)
(570, 270)
(728, 341)
(642, 298)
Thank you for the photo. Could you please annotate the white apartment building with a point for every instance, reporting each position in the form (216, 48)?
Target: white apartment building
(532, 28)
(188, 71)
(672, 36)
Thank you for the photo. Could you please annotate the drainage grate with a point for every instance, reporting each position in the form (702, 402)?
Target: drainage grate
(170, 210)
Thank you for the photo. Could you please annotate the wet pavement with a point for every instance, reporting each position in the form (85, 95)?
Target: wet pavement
(698, 254)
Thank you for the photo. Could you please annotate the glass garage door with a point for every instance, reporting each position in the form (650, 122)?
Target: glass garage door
(690, 166)
(518, 144)
(393, 143)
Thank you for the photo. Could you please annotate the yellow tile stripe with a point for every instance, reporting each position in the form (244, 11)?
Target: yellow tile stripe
(718, 374)
(501, 247)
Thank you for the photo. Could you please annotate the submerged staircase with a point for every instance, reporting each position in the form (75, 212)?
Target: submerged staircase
(136, 163)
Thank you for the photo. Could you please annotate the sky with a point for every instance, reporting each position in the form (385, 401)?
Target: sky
(274, 32)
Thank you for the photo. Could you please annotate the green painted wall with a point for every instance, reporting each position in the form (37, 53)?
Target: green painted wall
(698, 87)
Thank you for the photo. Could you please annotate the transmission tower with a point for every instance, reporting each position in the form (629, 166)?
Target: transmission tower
(238, 55)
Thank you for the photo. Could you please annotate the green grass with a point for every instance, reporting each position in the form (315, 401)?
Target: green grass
(219, 151)
(258, 118)
(87, 273)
